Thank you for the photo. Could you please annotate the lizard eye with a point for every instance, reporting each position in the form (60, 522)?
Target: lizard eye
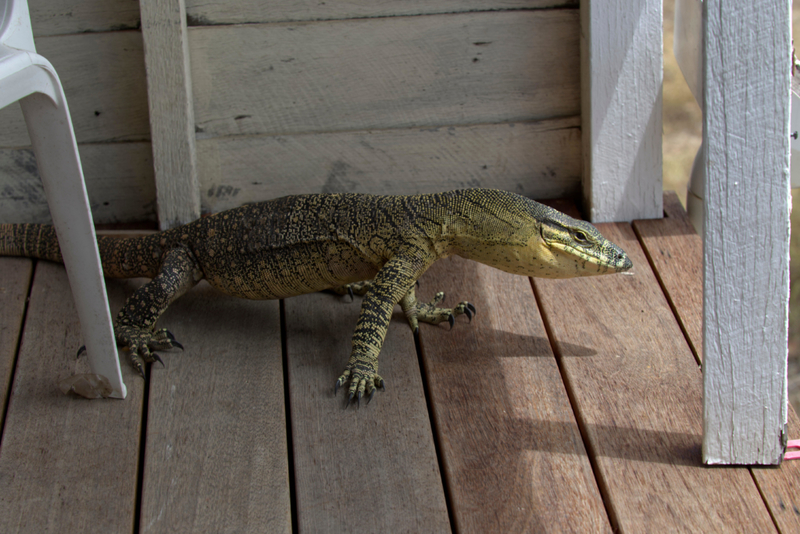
(579, 236)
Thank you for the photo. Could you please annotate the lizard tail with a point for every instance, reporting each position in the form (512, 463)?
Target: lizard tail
(30, 240)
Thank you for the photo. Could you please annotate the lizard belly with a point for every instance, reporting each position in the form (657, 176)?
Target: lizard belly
(289, 271)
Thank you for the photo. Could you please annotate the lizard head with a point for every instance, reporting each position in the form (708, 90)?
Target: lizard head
(527, 238)
(566, 247)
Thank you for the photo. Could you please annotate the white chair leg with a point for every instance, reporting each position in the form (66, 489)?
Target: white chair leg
(53, 140)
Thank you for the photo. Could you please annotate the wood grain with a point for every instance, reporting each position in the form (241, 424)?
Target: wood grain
(118, 176)
(104, 82)
(202, 13)
(621, 72)
(390, 72)
(746, 254)
(512, 452)
(67, 464)
(372, 469)
(172, 123)
(538, 159)
(59, 17)
(638, 397)
(15, 279)
(675, 252)
(217, 457)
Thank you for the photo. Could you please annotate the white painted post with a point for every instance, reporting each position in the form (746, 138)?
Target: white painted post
(746, 243)
(621, 76)
(169, 92)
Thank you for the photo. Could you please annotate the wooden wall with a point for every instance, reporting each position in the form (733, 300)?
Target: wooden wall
(295, 96)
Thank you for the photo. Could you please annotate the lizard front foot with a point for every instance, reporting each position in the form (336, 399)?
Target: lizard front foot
(430, 313)
(141, 343)
(363, 378)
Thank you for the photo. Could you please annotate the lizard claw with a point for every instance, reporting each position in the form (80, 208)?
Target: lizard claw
(157, 358)
(452, 320)
(81, 351)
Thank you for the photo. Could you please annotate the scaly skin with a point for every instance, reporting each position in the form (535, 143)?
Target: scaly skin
(301, 244)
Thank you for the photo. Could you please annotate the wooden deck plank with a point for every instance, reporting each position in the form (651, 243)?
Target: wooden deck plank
(217, 454)
(372, 469)
(637, 392)
(15, 280)
(676, 253)
(512, 452)
(67, 464)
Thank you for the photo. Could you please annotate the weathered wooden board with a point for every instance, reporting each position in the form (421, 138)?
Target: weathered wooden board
(104, 82)
(636, 389)
(513, 456)
(118, 176)
(59, 17)
(15, 280)
(67, 464)
(216, 458)
(372, 469)
(169, 90)
(746, 138)
(621, 72)
(385, 73)
(536, 159)
(676, 253)
(202, 12)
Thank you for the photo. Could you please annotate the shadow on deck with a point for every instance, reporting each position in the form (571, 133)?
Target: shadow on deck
(567, 405)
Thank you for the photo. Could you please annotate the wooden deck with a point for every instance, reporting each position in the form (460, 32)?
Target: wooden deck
(567, 405)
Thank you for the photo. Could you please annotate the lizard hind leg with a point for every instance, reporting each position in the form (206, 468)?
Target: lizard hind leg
(430, 312)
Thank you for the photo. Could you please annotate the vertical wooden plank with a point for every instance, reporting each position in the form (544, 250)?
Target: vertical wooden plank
(67, 464)
(367, 469)
(15, 279)
(621, 74)
(676, 253)
(637, 392)
(513, 455)
(217, 456)
(169, 90)
(746, 258)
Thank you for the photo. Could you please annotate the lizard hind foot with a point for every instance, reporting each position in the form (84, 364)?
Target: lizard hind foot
(356, 288)
(431, 313)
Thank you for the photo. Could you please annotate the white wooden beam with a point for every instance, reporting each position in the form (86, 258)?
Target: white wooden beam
(746, 243)
(169, 89)
(621, 74)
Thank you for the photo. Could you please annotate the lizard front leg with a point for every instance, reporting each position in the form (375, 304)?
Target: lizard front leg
(134, 327)
(392, 282)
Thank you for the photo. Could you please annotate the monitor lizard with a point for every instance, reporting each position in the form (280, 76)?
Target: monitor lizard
(307, 243)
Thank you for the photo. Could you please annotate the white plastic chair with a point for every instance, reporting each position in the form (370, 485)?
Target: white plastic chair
(30, 79)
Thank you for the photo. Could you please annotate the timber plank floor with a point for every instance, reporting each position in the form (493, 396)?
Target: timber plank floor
(563, 406)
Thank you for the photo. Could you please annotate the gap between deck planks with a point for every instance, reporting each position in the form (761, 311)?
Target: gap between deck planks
(66, 464)
(642, 439)
(15, 281)
(676, 252)
(372, 469)
(638, 399)
(513, 455)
